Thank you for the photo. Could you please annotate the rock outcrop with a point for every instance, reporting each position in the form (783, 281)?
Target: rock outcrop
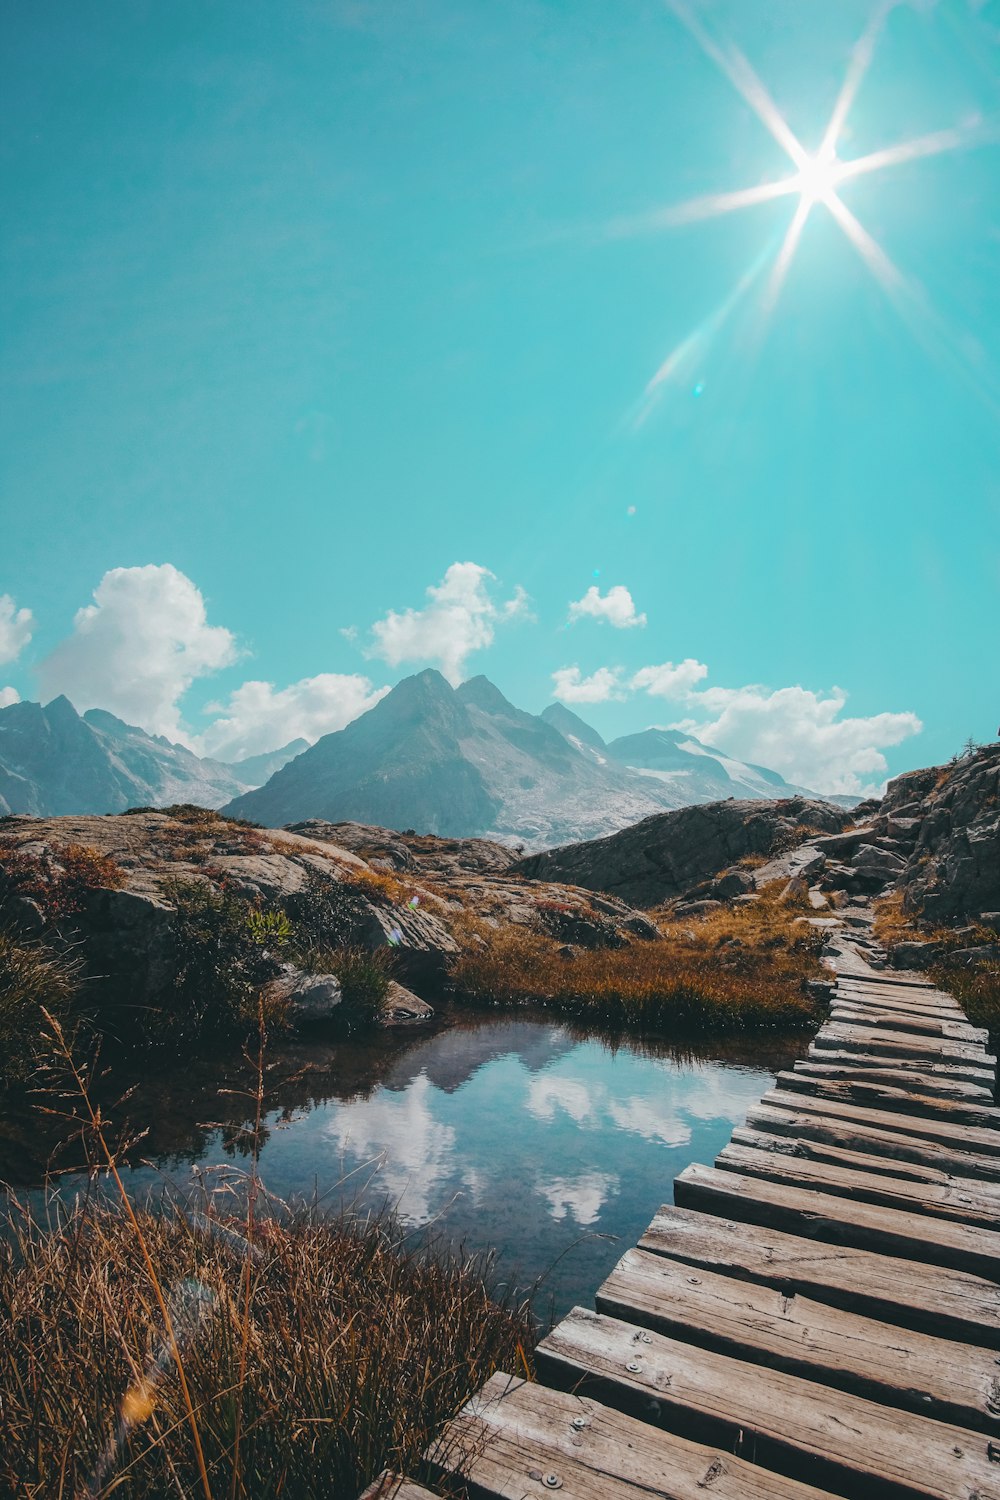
(947, 820)
(669, 854)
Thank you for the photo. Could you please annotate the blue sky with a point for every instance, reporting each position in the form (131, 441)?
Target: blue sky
(306, 304)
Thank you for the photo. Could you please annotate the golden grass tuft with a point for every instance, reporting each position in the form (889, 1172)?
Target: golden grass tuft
(741, 967)
(315, 1352)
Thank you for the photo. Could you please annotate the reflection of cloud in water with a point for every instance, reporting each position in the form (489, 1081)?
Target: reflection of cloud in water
(651, 1121)
(583, 1197)
(548, 1092)
(452, 1057)
(693, 1094)
(417, 1150)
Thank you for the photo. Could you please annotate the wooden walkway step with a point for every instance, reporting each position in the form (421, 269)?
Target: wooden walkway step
(896, 1152)
(799, 1427)
(930, 1299)
(934, 1128)
(516, 1440)
(757, 1155)
(867, 1226)
(818, 1314)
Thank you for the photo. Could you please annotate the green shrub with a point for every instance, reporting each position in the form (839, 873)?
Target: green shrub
(226, 949)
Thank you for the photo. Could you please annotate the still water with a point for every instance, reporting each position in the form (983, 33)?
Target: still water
(549, 1145)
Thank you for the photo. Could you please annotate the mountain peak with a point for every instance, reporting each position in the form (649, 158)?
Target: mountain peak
(570, 725)
(484, 694)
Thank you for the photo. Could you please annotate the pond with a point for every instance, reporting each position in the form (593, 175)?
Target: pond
(519, 1133)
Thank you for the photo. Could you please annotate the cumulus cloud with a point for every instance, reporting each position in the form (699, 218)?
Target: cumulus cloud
(138, 648)
(570, 685)
(260, 717)
(9, 695)
(461, 617)
(800, 733)
(15, 629)
(669, 681)
(616, 607)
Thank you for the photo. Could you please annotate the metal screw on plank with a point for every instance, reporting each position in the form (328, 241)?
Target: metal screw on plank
(579, 1423)
(552, 1482)
(633, 1366)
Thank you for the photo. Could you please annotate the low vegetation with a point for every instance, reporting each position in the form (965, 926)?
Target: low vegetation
(739, 967)
(303, 1354)
(31, 976)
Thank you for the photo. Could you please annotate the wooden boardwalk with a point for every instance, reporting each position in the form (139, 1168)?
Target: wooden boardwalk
(817, 1314)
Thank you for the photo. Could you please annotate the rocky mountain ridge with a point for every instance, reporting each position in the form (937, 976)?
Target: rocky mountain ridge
(55, 761)
(464, 762)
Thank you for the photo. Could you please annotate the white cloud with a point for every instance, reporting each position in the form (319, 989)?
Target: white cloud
(9, 695)
(570, 686)
(669, 681)
(15, 628)
(616, 607)
(799, 733)
(462, 617)
(259, 717)
(138, 648)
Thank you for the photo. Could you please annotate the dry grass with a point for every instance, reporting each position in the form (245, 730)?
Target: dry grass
(740, 967)
(315, 1352)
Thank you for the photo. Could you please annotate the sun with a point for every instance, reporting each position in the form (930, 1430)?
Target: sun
(818, 177)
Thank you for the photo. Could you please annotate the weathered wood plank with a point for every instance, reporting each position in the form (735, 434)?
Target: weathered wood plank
(874, 1094)
(883, 1149)
(981, 1140)
(394, 1487)
(955, 1200)
(861, 1038)
(848, 1014)
(805, 1430)
(931, 1299)
(868, 1226)
(981, 1078)
(936, 1085)
(931, 1003)
(513, 1436)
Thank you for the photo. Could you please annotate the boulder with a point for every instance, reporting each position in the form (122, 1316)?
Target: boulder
(306, 997)
(401, 1004)
(914, 955)
(876, 858)
(697, 908)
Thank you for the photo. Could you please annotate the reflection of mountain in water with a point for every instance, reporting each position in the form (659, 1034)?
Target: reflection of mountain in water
(452, 1057)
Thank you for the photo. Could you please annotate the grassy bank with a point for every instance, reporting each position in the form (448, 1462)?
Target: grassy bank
(313, 1352)
(741, 967)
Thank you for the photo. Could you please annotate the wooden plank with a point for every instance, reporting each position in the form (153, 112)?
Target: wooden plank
(516, 1440)
(930, 1299)
(981, 1078)
(867, 1226)
(900, 1155)
(949, 1199)
(799, 1428)
(879, 978)
(393, 1487)
(861, 1038)
(938, 1128)
(935, 1085)
(872, 1093)
(930, 1003)
(958, 1031)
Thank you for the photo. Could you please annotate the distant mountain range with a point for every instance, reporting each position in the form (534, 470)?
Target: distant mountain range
(465, 762)
(455, 761)
(54, 761)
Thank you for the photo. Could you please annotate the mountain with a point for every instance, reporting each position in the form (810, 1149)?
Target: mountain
(254, 770)
(695, 772)
(55, 761)
(463, 762)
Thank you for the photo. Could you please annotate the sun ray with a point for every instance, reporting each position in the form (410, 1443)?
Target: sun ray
(861, 60)
(871, 252)
(933, 144)
(745, 81)
(711, 206)
(786, 254)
